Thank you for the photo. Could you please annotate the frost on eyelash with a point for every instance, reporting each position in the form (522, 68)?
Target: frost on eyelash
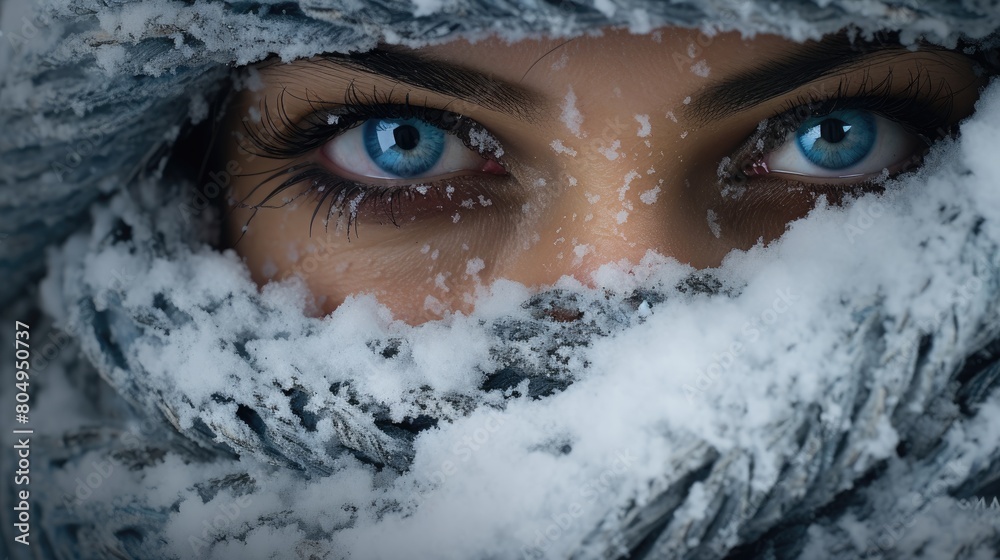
(713, 223)
(332, 119)
(484, 142)
(722, 172)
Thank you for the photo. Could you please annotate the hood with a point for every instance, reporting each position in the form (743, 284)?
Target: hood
(792, 402)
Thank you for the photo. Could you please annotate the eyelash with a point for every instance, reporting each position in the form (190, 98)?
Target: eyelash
(285, 138)
(920, 107)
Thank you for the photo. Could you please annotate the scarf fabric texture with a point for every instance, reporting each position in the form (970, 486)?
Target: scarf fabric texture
(832, 395)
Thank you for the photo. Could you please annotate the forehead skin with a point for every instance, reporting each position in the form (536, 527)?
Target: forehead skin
(576, 206)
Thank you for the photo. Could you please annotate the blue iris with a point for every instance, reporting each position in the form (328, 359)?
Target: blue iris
(403, 147)
(837, 140)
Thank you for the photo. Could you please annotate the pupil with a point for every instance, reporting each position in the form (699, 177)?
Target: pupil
(406, 136)
(833, 130)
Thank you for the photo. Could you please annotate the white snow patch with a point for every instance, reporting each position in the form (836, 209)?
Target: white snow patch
(561, 148)
(644, 126)
(474, 266)
(611, 152)
(650, 196)
(571, 116)
(713, 223)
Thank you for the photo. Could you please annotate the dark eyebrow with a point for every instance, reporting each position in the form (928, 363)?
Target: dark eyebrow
(771, 79)
(445, 78)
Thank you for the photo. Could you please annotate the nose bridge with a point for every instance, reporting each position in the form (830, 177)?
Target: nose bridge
(610, 178)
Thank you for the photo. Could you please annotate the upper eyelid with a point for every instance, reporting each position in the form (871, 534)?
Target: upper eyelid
(277, 139)
(451, 81)
(745, 90)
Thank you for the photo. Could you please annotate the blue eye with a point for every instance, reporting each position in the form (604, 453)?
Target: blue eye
(406, 148)
(838, 140)
(403, 147)
(842, 145)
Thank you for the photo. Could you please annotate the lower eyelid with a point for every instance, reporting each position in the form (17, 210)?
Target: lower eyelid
(347, 203)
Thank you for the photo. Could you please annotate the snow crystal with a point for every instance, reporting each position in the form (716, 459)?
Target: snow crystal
(713, 223)
(649, 197)
(571, 116)
(701, 69)
(644, 126)
(560, 62)
(611, 152)
(109, 57)
(474, 266)
(560, 148)
(485, 142)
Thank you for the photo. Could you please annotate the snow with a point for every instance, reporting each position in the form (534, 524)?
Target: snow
(713, 223)
(485, 142)
(700, 69)
(560, 148)
(650, 196)
(571, 116)
(644, 126)
(611, 152)
(474, 266)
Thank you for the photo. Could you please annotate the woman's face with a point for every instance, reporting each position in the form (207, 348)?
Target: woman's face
(421, 176)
